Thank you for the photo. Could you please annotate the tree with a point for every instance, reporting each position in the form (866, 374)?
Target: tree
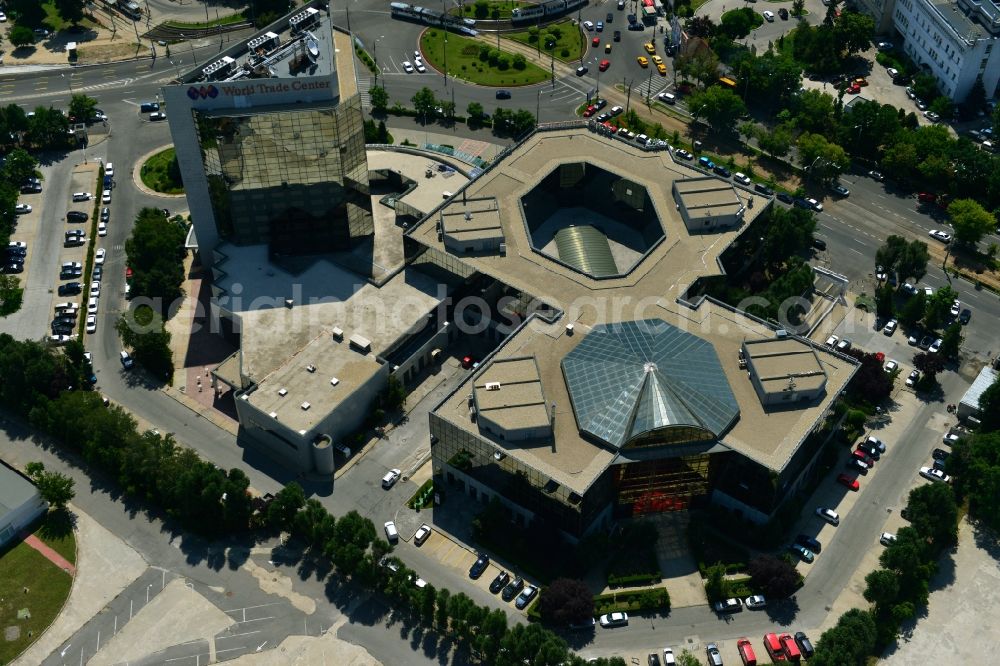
(777, 142)
(48, 128)
(882, 587)
(566, 601)
(938, 306)
(701, 65)
(970, 220)
(379, 99)
(870, 384)
(424, 102)
(824, 160)
(951, 340)
(19, 166)
(685, 658)
(775, 577)
(286, 503)
(700, 26)
(975, 466)
(142, 331)
(21, 36)
(884, 301)
(155, 252)
(913, 261)
(929, 364)
(716, 585)
(853, 31)
(737, 23)
(475, 112)
(814, 111)
(720, 106)
(789, 232)
(522, 122)
(933, 513)
(70, 10)
(913, 309)
(847, 643)
(55, 488)
(989, 407)
(269, 11)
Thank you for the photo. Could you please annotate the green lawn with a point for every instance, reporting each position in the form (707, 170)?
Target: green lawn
(464, 62)
(57, 532)
(156, 173)
(22, 567)
(563, 40)
(501, 7)
(223, 20)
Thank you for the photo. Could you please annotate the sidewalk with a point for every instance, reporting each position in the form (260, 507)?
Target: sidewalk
(51, 555)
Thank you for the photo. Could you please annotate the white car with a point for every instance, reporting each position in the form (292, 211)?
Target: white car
(741, 178)
(913, 378)
(158, 115)
(940, 235)
(91, 323)
(892, 72)
(935, 346)
(588, 25)
(768, 16)
(407, 67)
(829, 515)
(950, 439)
(667, 98)
(92, 305)
(617, 110)
(956, 308)
(844, 345)
(934, 474)
(390, 478)
(755, 602)
(3, 17)
(890, 327)
(22, 209)
(99, 256)
(890, 367)
(109, 170)
(832, 341)
(887, 538)
(616, 619)
(82, 196)
(21, 245)
(421, 535)
(420, 67)
(60, 339)
(95, 289)
(932, 116)
(106, 196)
(816, 206)
(102, 228)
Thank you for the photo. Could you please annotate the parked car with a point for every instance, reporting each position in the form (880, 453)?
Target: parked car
(935, 346)
(890, 327)
(755, 602)
(499, 582)
(891, 366)
(840, 190)
(802, 552)
(525, 597)
(763, 189)
(106, 196)
(731, 605)
(158, 115)
(887, 539)
(809, 542)
(878, 444)
(77, 216)
(829, 515)
(965, 316)
(616, 619)
(512, 589)
(82, 196)
(479, 566)
(391, 534)
(91, 323)
(939, 235)
(850, 482)
(126, 360)
(99, 256)
(844, 345)
(390, 478)
(934, 474)
(876, 175)
(22, 209)
(741, 178)
(421, 535)
(722, 171)
(864, 456)
(814, 204)
(683, 154)
(805, 645)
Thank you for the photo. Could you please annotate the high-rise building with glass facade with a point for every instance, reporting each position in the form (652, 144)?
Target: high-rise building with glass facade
(270, 140)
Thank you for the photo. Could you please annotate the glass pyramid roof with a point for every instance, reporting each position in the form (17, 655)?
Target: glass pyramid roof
(629, 378)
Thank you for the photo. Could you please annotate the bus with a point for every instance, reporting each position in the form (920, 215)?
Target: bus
(727, 82)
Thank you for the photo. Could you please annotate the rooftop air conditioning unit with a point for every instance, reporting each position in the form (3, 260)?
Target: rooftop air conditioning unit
(289, 302)
(274, 415)
(334, 381)
(492, 386)
(310, 368)
(305, 406)
(282, 392)
(569, 329)
(337, 333)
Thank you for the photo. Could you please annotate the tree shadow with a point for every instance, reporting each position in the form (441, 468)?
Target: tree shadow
(58, 524)
(783, 612)
(986, 539)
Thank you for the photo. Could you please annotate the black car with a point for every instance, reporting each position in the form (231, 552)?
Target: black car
(636, 27)
(870, 449)
(525, 597)
(784, 197)
(618, 35)
(763, 189)
(77, 216)
(69, 274)
(70, 289)
(16, 253)
(940, 454)
(926, 342)
(805, 645)
(965, 316)
(809, 542)
(671, 50)
(503, 94)
(64, 319)
(783, 13)
(603, 117)
(799, 202)
(106, 212)
(722, 171)
(98, 273)
(609, 18)
(498, 583)
(479, 566)
(13, 268)
(819, 243)
(581, 70)
(857, 466)
(513, 589)
(61, 328)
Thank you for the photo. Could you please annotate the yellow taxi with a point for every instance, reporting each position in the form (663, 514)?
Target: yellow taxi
(643, 61)
(607, 47)
(657, 60)
(662, 69)
(650, 47)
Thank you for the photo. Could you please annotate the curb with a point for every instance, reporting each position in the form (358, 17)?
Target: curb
(137, 174)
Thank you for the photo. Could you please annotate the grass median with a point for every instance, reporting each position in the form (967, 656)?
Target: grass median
(161, 174)
(477, 62)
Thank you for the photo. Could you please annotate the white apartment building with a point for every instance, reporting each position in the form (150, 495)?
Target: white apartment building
(955, 41)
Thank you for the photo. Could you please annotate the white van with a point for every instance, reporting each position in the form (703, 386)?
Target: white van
(390, 532)
(768, 16)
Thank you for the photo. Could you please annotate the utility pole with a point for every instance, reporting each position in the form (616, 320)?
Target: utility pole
(628, 96)
(649, 87)
(538, 105)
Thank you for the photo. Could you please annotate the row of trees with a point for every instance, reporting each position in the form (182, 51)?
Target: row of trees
(898, 590)
(47, 128)
(975, 463)
(18, 165)
(428, 106)
(37, 383)
(352, 543)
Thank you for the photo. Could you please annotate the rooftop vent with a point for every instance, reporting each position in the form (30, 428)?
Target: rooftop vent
(337, 333)
(310, 368)
(289, 302)
(282, 392)
(468, 216)
(266, 41)
(274, 415)
(569, 329)
(305, 406)
(492, 386)
(334, 381)
(219, 68)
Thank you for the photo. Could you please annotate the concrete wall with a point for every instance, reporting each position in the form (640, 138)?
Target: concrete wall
(21, 517)
(273, 438)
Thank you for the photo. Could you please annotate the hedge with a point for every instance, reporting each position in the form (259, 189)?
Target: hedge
(657, 599)
(634, 579)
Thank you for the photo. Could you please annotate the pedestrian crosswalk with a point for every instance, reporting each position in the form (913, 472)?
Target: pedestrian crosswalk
(365, 85)
(649, 88)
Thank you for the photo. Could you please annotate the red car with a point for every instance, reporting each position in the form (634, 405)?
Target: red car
(863, 457)
(467, 362)
(589, 111)
(596, 41)
(926, 197)
(849, 481)
(604, 65)
(854, 89)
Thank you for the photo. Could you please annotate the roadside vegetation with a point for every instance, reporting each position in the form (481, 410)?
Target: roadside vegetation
(488, 9)
(477, 62)
(562, 40)
(161, 173)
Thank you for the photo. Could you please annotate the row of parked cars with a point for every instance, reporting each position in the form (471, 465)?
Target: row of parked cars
(779, 647)
(509, 589)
